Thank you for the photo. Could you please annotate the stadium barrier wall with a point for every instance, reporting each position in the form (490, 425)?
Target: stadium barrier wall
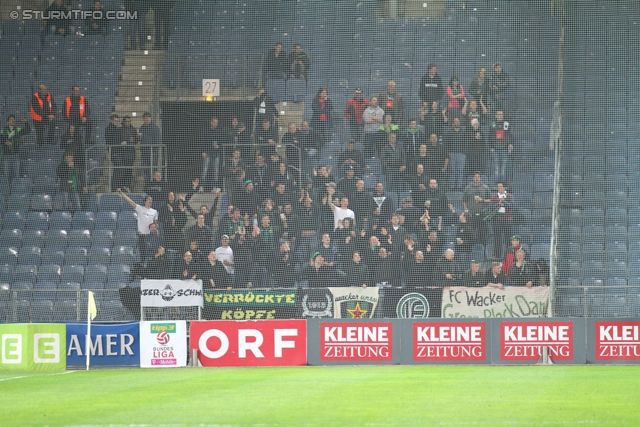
(33, 347)
(324, 342)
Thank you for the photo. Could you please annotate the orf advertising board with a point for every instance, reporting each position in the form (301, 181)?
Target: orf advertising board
(250, 343)
(163, 344)
(110, 345)
(613, 341)
(523, 341)
(341, 342)
(446, 341)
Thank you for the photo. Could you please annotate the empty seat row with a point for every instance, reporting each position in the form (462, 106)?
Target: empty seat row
(42, 220)
(99, 273)
(34, 255)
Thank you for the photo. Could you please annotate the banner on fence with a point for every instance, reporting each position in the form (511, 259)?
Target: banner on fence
(354, 302)
(111, 345)
(163, 344)
(244, 304)
(171, 293)
(461, 302)
(250, 343)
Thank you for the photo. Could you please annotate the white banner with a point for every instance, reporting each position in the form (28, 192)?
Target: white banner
(163, 344)
(461, 302)
(354, 302)
(171, 293)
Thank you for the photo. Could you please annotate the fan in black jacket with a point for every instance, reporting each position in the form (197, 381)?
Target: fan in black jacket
(318, 274)
(357, 272)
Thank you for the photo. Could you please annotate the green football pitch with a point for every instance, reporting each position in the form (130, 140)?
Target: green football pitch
(326, 396)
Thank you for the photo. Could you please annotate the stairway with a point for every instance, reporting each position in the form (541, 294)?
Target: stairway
(135, 94)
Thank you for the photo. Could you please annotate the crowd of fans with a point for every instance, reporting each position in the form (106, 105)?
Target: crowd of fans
(289, 218)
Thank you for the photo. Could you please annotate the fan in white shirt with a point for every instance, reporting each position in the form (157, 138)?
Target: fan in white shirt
(339, 212)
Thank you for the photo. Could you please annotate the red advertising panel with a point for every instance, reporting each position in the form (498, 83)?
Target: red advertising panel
(449, 341)
(524, 340)
(618, 340)
(250, 343)
(356, 341)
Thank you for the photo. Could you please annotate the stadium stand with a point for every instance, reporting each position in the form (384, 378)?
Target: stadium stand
(574, 204)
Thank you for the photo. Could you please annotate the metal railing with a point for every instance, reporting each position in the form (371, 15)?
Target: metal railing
(157, 153)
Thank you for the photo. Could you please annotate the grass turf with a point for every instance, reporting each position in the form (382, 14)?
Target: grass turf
(326, 396)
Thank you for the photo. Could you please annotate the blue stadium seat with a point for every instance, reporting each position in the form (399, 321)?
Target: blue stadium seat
(110, 203)
(76, 256)
(99, 255)
(84, 221)
(43, 184)
(128, 220)
(25, 273)
(21, 311)
(41, 311)
(29, 255)
(125, 238)
(111, 311)
(616, 216)
(21, 186)
(72, 273)
(37, 221)
(11, 237)
(617, 233)
(49, 273)
(118, 273)
(102, 239)
(96, 273)
(60, 221)
(65, 310)
(53, 255)
(123, 255)
(6, 273)
(8, 256)
(543, 200)
(44, 291)
(18, 202)
(106, 220)
(57, 239)
(41, 202)
(79, 239)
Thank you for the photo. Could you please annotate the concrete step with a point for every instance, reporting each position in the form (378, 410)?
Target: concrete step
(132, 109)
(137, 71)
(129, 99)
(129, 89)
(133, 58)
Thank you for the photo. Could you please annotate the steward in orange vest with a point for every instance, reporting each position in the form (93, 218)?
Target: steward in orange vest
(76, 108)
(43, 110)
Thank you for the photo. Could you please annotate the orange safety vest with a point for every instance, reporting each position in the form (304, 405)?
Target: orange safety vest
(35, 116)
(80, 107)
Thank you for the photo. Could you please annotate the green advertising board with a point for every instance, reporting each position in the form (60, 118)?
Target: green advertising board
(33, 347)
